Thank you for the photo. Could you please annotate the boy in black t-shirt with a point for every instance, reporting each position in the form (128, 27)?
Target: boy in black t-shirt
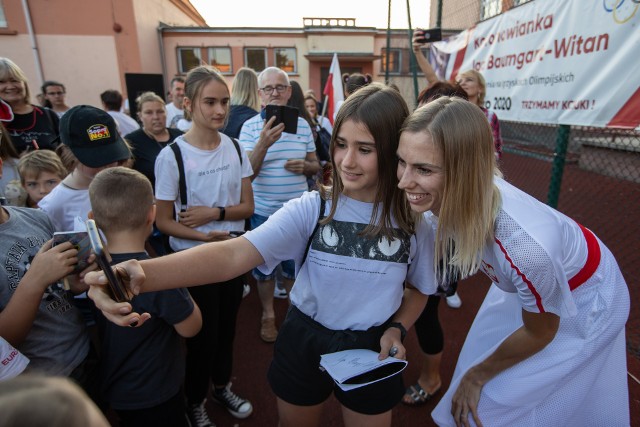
(142, 369)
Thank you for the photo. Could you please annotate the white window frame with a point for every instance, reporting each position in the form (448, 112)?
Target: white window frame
(196, 50)
(295, 58)
(212, 49)
(246, 60)
(3, 17)
(383, 53)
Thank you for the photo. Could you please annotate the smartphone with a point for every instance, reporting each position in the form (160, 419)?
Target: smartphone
(429, 36)
(284, 114)
(236, 233)
(80, 240)
(118, 289)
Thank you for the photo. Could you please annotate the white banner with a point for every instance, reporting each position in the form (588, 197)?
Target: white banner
(574, 62)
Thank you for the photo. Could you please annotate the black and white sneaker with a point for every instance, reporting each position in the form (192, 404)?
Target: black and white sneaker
(198, 417)
(237, 406)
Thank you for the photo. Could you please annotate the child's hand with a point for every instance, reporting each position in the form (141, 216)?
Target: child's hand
(76, 281)
(217, 236)
(52, 263)
(391, 345)
(196, 216)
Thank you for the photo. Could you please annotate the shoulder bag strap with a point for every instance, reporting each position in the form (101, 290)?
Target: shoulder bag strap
(237, 145)
(315, 230)
(183, 180)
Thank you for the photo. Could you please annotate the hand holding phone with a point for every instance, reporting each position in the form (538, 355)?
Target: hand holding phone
(118, 289)
(236, 233)
(80, 240)
(283, 114)
(427, 36)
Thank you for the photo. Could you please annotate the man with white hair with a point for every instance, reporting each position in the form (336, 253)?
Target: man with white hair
(281, 163)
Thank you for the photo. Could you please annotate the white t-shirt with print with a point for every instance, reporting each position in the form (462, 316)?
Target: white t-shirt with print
(174, 114)
(67, 208)
(213, 179)
(347, 281)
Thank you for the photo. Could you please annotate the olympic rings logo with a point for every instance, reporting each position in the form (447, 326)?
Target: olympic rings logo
(622, 10)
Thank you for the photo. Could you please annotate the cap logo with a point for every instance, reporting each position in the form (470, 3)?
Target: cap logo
(97, 132)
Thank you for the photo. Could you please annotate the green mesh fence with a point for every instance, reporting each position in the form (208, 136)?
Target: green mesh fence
(599, 188)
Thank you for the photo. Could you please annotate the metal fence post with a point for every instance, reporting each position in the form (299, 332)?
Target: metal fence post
(559, 158)
(387, 53)
(412, 60)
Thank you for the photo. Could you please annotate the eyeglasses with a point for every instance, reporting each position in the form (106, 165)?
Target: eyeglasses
(269, 89)
(55, 93)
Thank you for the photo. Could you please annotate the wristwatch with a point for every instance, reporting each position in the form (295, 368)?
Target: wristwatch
(403, 331)
(222, 212)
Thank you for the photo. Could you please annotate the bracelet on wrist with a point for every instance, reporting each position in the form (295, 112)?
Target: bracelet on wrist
(222, 213)
(398, 325)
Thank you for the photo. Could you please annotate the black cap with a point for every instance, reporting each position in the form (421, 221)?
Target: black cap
(93, 137)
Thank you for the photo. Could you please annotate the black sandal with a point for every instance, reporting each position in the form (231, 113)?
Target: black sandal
(417, 395)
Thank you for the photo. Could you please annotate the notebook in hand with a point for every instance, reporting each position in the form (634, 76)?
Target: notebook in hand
(355, 368)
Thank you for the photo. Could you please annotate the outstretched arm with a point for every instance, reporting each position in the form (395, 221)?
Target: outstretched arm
(209, 263)
(535, 334)
(423, 62)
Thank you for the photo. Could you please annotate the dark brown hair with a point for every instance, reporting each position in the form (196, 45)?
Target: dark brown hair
(355, 81)
(382, 110)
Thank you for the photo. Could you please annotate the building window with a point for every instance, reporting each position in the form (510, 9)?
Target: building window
(256, 58)
(188, 58)
(395, 61)
(3, 18)
(220, 57)
(491, 8)
(285, 59)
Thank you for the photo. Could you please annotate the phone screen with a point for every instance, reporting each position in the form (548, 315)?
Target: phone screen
(284, 114)
(429, 36)
(118, 289)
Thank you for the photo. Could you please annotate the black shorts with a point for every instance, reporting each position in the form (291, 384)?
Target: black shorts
(295, 377)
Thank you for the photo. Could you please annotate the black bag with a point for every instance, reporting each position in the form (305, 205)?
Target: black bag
(324, 138)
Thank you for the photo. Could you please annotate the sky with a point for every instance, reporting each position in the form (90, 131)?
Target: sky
(289, 13)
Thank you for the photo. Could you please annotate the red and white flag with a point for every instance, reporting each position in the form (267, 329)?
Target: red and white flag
(333, 91)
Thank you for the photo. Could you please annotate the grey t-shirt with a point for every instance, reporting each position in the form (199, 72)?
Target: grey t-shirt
(58, 341)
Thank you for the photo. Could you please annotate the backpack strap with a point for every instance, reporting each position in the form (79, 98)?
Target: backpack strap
(183, 181)
(321, 215)
(237, 145)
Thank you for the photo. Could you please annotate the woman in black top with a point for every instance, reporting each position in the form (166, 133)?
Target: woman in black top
(32, 127)
(153, 136)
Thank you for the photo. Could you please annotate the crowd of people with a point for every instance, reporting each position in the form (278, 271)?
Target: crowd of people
(369, 218)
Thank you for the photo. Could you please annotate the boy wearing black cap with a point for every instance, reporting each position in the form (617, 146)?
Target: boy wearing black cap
(90, 143)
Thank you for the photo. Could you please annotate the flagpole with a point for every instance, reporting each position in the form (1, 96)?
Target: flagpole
(324, 106)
